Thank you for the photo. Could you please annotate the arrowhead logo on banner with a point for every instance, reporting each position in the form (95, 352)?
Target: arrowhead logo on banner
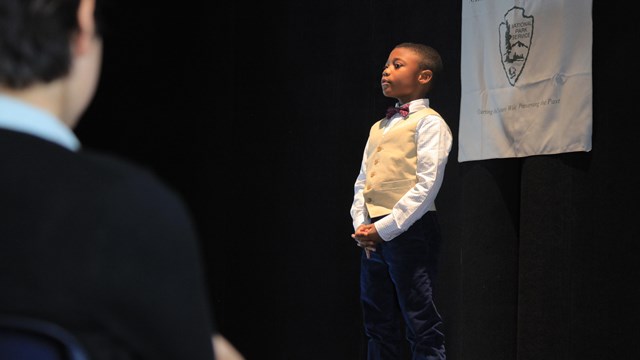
(516, 32)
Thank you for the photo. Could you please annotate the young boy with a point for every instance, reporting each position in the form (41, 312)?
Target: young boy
(393, 210)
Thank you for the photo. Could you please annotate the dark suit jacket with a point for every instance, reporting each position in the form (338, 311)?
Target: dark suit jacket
(104, 249)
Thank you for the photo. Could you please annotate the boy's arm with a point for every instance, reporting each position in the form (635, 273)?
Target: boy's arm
(359, 215)
(358, 211)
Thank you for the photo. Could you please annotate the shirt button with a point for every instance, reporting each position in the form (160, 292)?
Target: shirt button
(379, 149)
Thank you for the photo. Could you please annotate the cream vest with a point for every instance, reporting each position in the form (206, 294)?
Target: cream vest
(391, 163)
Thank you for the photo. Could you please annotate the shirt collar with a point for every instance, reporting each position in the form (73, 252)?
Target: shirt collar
(416, 105)
(20, 116)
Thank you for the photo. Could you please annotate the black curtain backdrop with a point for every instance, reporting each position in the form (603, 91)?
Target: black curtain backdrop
(258, 114)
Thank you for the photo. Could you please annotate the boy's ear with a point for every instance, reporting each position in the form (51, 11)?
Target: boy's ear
(425, 76)
(81, 41)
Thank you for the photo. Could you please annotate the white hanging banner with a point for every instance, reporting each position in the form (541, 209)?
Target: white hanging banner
(526, 78)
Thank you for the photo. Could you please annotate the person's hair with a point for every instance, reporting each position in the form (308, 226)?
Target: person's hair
(429, 59)
(35, 40)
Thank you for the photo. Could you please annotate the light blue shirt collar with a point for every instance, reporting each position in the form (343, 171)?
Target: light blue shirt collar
(19, 116)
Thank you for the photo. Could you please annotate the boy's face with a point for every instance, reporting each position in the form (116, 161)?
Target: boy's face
(401, 76)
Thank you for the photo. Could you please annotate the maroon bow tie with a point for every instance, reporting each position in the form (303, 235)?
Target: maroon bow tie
(403, 110)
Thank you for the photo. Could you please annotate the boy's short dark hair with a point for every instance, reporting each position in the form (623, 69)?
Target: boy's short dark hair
(35, 40)
(430, 58)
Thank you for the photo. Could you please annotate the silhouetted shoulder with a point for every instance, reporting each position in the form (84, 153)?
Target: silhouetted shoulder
(102, 246)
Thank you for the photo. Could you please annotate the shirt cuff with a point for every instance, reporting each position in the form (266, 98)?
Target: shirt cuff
(387, 228)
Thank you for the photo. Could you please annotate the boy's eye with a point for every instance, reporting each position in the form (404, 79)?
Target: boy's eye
(397, 65)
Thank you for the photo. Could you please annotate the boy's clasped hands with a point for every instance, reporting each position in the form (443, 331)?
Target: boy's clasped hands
(366, 237)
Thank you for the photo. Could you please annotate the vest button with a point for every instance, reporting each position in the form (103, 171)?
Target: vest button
(369, 200)
(379, 149)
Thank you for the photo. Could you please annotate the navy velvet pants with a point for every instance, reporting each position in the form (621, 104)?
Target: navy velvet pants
(396, 289)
